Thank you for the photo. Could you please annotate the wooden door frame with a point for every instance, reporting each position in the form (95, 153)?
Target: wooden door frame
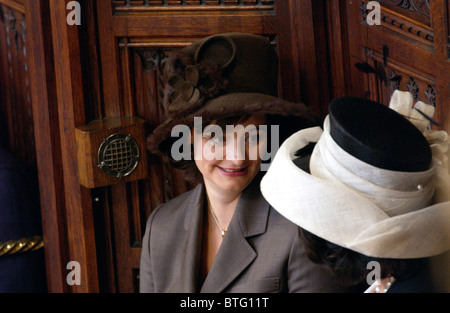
(48, 147)
(71, 113)
(58, 107)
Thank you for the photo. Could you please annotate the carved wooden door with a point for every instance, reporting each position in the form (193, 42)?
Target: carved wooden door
(411, 44)
(134, 40)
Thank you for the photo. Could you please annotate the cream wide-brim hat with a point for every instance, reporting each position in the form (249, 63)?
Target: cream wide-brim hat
(358, 217)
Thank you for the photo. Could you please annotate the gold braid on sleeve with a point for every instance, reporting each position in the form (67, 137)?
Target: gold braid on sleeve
(21, 245)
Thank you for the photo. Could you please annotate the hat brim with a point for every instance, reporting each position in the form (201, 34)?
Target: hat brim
(340, 215)
(225, 106)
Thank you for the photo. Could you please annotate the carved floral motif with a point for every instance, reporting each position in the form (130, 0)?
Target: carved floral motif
(413, 88)
(419, 6)
(431, 95)
(158, 3)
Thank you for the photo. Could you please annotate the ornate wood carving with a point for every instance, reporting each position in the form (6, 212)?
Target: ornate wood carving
(419, 6)
(161, 5)
(394, 79)
(402, 77)
(152, 60)
(430, 95)
(413, 88)
(402, 23)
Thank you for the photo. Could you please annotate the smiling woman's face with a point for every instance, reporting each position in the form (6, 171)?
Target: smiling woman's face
(231, 168)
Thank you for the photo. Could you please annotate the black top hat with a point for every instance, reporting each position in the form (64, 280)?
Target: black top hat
(378, 135)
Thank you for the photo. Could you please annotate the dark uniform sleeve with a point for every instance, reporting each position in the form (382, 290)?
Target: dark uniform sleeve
(20, 218)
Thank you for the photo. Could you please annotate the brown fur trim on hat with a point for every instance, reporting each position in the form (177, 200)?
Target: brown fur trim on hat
(159, 141)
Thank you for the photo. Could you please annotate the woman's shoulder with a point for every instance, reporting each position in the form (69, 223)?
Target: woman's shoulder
(280, 227)
(184, 197)
(178, 205)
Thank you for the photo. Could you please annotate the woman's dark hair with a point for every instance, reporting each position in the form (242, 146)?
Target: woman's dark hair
(350, 267)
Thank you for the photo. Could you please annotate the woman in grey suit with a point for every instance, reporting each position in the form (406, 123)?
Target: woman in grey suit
(223, 236)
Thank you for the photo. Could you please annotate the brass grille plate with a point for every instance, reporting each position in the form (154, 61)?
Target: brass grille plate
(118, 155)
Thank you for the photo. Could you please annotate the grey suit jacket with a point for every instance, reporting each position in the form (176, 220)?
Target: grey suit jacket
(261, 251)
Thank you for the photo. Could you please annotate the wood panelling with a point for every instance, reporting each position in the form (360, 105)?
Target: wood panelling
(418, 10)
(17, 131)
(414, 33)
(15, 5)
(421, 85)
(71, 114)
(48, 146)
(448, 30)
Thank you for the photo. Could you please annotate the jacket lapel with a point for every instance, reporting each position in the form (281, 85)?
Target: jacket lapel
(189, 261)
(235, 253)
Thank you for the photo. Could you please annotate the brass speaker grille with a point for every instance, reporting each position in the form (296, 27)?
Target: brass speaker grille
(118, 155)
